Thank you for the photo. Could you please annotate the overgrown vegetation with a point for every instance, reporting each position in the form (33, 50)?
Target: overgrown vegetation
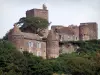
(34, 24)
(31, 24)
(13, 62)
(86, 46)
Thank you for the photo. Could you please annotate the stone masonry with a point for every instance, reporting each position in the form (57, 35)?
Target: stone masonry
(50, 47)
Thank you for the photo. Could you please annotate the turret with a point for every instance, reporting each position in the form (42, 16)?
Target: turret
(16, 37)
(44, 7)
(16, 29)
(52, 45)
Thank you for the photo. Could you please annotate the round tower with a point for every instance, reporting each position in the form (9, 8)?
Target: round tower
(16, 37)
(83, 32)
(52, 45)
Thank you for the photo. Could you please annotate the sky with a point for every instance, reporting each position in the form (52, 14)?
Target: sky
(61, 12)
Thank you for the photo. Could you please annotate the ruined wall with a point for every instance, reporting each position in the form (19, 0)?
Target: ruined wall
(66, 37)
(88, 31)
(44, 32)
(70, 33)
(75, 29)
(93, 30)
(54, 27)
(68, 48)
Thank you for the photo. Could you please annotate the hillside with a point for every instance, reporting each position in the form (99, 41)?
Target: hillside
(84, 62)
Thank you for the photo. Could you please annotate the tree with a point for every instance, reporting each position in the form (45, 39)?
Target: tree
(75, 64)
(34, 24)
(6, 35)
(11, 60)
(37, 65)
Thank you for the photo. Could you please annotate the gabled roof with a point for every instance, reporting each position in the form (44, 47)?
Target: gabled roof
(31, 36)
(17, 32)
(28, 35)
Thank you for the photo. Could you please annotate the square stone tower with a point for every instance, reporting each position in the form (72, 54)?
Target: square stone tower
(88, 31)
(42, 13)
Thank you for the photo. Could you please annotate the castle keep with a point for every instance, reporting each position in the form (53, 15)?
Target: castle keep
(50, 48)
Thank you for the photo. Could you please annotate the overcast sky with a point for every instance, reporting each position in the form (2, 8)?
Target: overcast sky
(61, 12)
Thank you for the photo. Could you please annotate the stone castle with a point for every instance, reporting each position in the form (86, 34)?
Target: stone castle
(50, 47)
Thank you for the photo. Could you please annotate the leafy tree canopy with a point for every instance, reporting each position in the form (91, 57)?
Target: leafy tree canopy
(13, 62)
(34, 24)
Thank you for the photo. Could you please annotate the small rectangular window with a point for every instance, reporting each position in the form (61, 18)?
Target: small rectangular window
(30, 44)
(38, 44)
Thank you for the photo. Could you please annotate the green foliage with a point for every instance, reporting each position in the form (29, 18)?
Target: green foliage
(13, 62)
(37, 65)
(86, 46)
(10, 58)
(6, 35)
(35, 24)
(77, 64)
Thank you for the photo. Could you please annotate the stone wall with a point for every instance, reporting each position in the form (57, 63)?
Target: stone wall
(88, 31)
(84, 32)
(68, 48)
(75, 29)
(66, 37)
(27, 42)
(37, 13)
(93, 30)
(52, 45)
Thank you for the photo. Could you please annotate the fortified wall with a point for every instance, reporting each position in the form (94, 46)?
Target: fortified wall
(84, 31)
(51, 47)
